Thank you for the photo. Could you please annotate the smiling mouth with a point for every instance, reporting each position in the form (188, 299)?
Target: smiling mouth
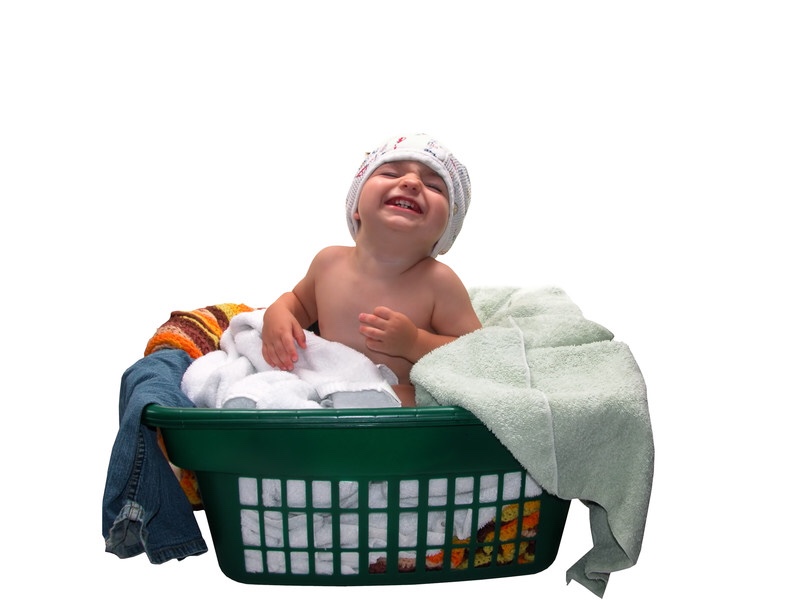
(405, 204)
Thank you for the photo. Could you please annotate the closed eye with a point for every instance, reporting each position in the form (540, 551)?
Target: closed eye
(434, 186)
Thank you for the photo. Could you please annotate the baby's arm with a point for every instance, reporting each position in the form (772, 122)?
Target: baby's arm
(392, 332)
(285, 321)
(282, 329)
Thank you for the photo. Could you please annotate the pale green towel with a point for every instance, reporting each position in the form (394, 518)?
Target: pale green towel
(568, 402)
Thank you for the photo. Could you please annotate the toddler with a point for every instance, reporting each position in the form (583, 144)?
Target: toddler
(387, 296)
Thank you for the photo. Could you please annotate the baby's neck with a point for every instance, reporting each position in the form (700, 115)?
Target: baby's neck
(385, 261)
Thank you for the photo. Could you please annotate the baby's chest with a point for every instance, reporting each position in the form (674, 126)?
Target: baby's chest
(345, 305)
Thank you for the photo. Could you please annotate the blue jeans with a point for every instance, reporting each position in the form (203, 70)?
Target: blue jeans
(144, 507)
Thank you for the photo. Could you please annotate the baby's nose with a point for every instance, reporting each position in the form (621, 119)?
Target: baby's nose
(410, 180)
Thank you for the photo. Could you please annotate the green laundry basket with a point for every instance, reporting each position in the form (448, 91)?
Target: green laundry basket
(361, 497)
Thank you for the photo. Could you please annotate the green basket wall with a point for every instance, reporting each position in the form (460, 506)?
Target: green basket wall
(295, 497)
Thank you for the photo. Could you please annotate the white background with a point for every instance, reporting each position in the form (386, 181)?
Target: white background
(642, 156)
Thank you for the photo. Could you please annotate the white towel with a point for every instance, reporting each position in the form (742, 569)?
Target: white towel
(237, 376)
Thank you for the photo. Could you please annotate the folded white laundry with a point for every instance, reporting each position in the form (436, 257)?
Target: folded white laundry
(271, 389)
(293, 522)
(326, 374)
(300, 563)
(296, 496)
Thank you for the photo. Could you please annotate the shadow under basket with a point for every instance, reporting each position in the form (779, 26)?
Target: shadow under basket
(361, 496)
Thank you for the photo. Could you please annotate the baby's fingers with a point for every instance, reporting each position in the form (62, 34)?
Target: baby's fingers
(382, 312)
(299, 335)
(371, 320)
(371, 326)
(280, 355)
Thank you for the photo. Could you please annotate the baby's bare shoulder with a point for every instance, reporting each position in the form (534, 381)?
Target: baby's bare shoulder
(331, 254)
(439, 273)
(335, 251)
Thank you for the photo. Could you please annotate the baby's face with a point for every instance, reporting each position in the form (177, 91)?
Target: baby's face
(406, 194)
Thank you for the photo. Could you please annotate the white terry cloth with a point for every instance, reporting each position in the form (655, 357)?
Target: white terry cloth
(321, 492)
(237, 376)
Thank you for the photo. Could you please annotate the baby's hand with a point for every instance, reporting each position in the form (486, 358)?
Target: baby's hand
(388, 332)
(280, 337)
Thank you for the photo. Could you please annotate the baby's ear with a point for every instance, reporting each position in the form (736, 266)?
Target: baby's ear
(356, 216)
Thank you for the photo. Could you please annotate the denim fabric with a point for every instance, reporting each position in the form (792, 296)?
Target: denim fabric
(144, 507)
